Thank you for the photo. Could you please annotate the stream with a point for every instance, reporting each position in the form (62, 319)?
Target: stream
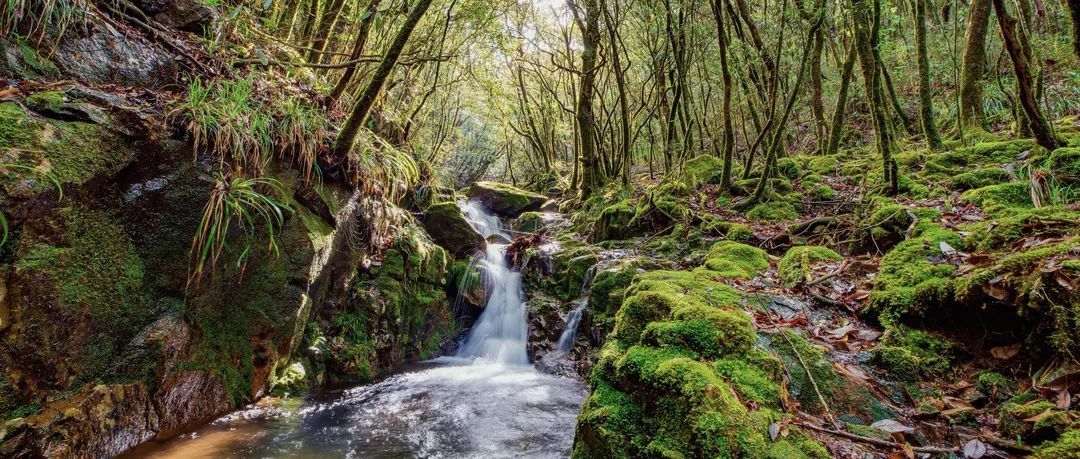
(486, 401)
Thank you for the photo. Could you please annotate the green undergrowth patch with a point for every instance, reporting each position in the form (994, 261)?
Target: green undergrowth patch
(734, 260)
(798, 262)
(913, 354)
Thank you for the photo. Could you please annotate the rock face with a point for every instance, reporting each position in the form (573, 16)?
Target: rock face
(104, 344)
(505, 200)
(448, 227)
(187, 15)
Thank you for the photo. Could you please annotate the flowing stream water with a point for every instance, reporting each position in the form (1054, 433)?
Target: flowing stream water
(486, 401)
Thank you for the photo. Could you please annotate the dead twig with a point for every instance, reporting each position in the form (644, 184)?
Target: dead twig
(878, 442)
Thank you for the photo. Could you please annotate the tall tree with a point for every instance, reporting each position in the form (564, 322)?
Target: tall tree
(926, 101)
(367, 99)
(728, 146)
(973, 66)
(588, 21)
(867, 26)
(366, 20)
(1039, 128)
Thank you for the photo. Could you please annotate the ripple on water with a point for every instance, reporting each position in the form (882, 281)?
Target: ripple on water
(452, 409)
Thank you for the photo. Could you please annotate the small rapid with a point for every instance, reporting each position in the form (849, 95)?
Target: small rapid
(487, 401)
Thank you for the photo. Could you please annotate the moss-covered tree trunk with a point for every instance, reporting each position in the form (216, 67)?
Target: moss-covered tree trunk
(363, 105)
(972, 68)
(866, 30)
(1074, 11)
(1039, 128)
(590, 31)
(836, 128)
(728, 148)
(926, 101)
(358, 49)
(327, 19)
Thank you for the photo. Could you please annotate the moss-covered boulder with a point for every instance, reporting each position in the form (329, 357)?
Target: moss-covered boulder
(682, 377)
(505, 200)
(979, 178)
(734, 260)
(1012, 194)
(448, 227)
(703, 170)
(798, 263)
(914, 275)
(1064, 163)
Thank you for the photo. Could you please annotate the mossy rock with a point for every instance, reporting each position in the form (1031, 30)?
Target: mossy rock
(773, 212)
(793, 349)
(824, 165)
(21, 61)
(979, 178)
(1065, 447)
(913, 276)
(712, 226)
(821, 193)
(703, 170)
(798, 262)
(615, 222)
(788, 168)
(446, 224)
(1000, 152)
(886, 226)
(530, 222)
(734, 260)
(778, 185)
(1064, 163)
(913, 354)
(505, 200)
(1012, 194)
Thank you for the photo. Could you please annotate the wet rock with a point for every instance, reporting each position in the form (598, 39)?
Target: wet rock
(98, 53)
(448, 227)
(506, 200)
(99, 421)
(189, 397)
(187, 15)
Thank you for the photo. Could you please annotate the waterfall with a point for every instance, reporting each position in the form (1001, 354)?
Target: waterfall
(500, 333)
(566, 340)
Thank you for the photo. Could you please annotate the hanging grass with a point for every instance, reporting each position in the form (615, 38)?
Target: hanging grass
(36, 17)
(384, 169)
(247, 203)
(227, 118)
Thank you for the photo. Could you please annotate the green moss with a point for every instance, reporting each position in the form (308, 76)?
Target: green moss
(1009, 225)
(654, 295)
(754, 378)
(788, 168)
(794, 349)
(773, 212)
(713, 226)
(1065, 447)
(614, 222)
(1007, 151)
(734, 260)
(913, 354)
(1064, 163)
(799, 261)
(979, 178)
(1012, 413)
(912, 275)
(1013, 194)
(702, 331)
(703, 170)
(824, 165)
(822, 193)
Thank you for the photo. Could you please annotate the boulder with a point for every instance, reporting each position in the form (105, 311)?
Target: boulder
(448, 227)
(187, 15)
(506, 200)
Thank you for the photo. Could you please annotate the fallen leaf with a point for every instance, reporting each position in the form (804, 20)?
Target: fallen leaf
(891, 426)
(774, 431)
(1040, 416)
(947, 249)
(1005, 352)
(1064, 400)
(974, 449)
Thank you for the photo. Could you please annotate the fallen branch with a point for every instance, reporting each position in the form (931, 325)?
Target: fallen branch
(843, 267)
(878, 442)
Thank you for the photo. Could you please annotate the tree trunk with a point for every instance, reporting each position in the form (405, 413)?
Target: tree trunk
(1043, 136)
(590, 31)
(620, 83)
(866, 29)
(972, 68)
(926, 102)
(728, 148)
(363, 105)
(357, 51)
(1074, 11)
(329, 16)
(837, 126)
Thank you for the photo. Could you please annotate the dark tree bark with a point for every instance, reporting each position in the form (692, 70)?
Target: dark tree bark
(972, 68)
(728, 147)
(866, 30)
(363, 105)
(1043, 135)
(837, 126)
(589, 23)
(926, 102)
(1074, 11)
(329, 16)
(357, 51)
(620, 84)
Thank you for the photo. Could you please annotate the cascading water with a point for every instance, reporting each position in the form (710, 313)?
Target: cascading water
(573, 321)
(501, 332)
(486, 402)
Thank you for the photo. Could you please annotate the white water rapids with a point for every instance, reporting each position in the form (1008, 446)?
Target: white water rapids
(485, 402)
